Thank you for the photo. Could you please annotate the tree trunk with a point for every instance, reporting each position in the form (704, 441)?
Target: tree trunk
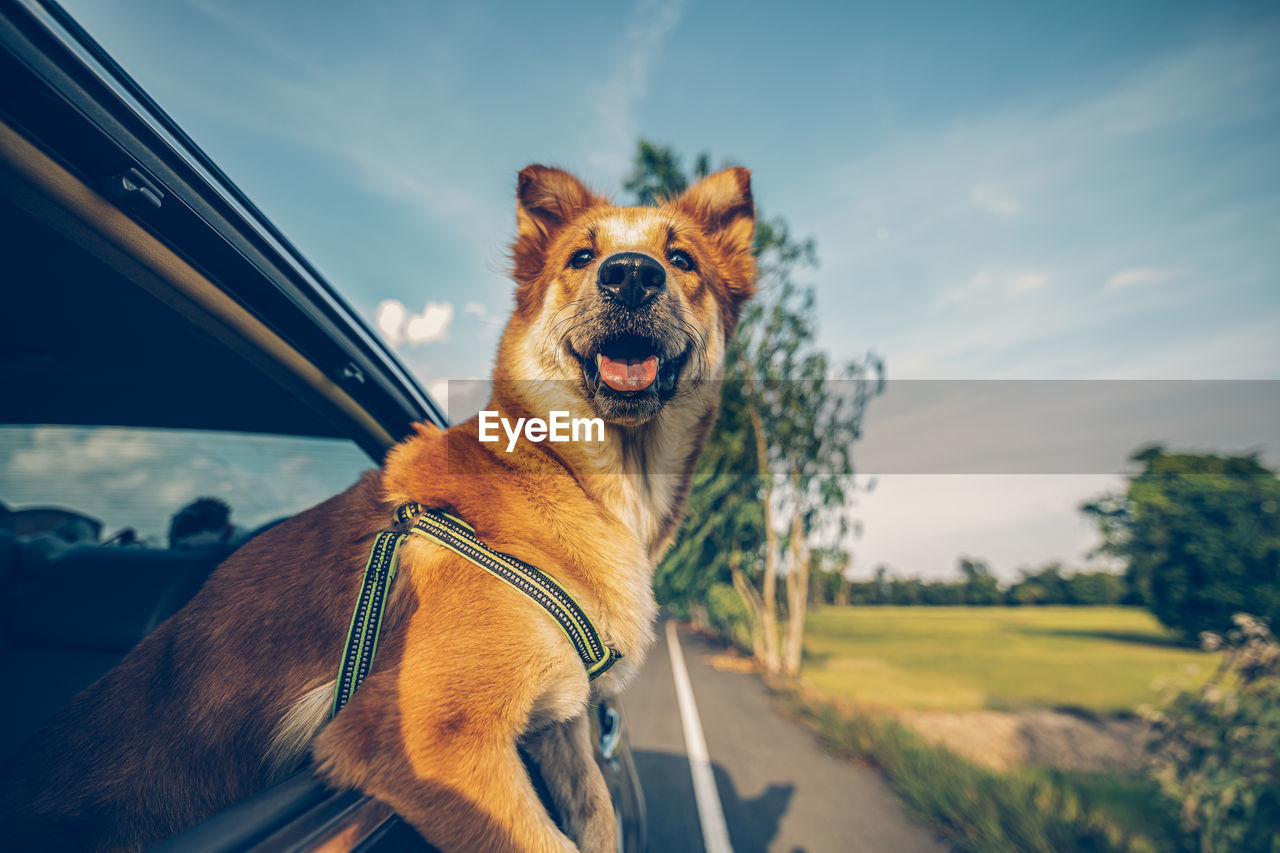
(698, 617)
(769, 587)
(797, 594)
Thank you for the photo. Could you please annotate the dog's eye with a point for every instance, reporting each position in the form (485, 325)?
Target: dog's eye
(581, 258)
(680, 260)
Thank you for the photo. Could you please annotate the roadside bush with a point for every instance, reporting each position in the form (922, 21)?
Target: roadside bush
(1218, 747)
(729, 617)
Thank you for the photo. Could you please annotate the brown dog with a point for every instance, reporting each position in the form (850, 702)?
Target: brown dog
(621, 314)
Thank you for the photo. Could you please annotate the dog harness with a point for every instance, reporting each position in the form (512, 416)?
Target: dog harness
(459, 537)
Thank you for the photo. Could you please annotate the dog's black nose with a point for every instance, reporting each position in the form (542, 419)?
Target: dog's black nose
(631, 278)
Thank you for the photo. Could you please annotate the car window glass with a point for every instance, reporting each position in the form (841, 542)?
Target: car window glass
(163, 488)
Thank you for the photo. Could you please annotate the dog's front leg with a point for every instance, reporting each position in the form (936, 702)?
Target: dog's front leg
(469, 794)
(565, 754)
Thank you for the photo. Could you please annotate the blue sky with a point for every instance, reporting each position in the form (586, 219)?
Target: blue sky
(997, 190)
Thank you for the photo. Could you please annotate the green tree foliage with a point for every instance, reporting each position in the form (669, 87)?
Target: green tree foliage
(1096, 588)
(729, 617)
(724, 517)
(830, 584)
(1200, 535)
(657, 173)
(906, 591)
(980, 586)
(1045, 585)
(1217, 747)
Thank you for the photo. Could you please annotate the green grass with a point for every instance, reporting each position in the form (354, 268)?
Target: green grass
(1101, 659)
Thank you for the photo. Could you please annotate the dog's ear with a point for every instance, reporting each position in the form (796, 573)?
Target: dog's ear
(546, 199)
(722, 203)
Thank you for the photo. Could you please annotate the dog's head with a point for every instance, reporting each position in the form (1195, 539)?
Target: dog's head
(627, 307)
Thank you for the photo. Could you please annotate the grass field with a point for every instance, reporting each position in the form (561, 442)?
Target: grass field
(1103, 659)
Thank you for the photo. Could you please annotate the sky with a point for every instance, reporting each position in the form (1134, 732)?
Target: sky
(997, 191)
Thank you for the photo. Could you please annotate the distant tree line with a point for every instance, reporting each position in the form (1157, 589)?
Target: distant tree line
(1198, 535)
(976, 586)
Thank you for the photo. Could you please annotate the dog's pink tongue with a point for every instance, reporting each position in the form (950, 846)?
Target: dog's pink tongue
(628, 374)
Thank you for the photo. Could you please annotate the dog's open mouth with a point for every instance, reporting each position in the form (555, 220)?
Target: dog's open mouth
(631, 365)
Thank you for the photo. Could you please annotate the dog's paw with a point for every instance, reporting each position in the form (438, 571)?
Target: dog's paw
(599, 834)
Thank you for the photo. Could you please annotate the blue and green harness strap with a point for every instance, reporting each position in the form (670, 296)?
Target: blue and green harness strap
(459, 537)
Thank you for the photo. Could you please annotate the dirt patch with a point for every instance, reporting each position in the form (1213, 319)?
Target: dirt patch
(1003, 740)
(731, 661)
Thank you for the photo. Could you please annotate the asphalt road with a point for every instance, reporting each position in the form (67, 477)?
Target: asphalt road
(777, 789)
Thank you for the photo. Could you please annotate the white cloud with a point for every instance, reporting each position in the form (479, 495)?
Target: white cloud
(611, 135)
(996, 201)
(139, 477)
(964, 292)
(1139, 275)
(390, 319)
(1022, 282)
(482, 314)
(982, 281)
(178, 490)
(397, 325)
(55, 449)
(430, 325)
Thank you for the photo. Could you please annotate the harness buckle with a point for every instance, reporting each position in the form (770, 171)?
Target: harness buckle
(610, 731)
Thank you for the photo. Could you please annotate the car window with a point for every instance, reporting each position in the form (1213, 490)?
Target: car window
(162, 488)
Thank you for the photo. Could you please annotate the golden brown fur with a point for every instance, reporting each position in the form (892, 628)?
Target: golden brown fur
(229, 692)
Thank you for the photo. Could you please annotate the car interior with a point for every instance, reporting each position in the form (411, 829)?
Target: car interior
(73, 606)
(185, 357)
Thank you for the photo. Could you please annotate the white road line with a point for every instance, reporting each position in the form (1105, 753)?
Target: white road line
(715, 832)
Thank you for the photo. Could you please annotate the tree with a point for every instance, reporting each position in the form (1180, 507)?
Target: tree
(1200, 536)
(722, 538)
(806, 426)
(1095, 588)
(1045, 585)
(980, 586)
(748, 517)
(830, 584)
(906, 591)
(656, 173)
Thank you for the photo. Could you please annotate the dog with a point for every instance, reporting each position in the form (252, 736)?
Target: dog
(622, 314)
